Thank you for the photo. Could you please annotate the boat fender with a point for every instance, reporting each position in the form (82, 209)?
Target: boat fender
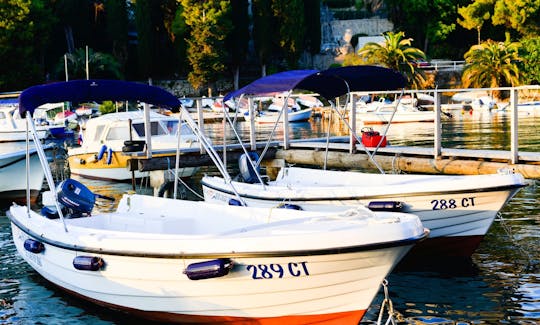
(235, 202)
(289, 206)
(80, 161)
(393, 206)
(34, 246)
(109, 156)
(101, 152)
(88, 263)
(208, 269)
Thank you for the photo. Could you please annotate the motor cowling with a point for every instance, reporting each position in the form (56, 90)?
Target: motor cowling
(76, 197)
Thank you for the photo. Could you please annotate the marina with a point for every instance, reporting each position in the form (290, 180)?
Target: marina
(525, 262)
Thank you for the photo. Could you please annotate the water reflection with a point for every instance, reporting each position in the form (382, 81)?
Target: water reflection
(499, 285)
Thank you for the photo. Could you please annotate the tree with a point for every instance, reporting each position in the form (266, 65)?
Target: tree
(25, 29)
(429, 22)
(101, 65)
(531, 60)
(262, 28)
(237, 40)
(154, 45)
(312, 14)
(117, 29)
(475, 14)
(210, 23)
(289, 15)
(520, 15)
(492, 64)
(75, 18)
(398, 54)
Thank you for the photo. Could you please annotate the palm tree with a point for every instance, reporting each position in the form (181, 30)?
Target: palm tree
(101, 65)
(396, 53)
(492, 64)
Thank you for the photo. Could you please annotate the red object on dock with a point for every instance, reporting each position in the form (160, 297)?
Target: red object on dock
(372, 138)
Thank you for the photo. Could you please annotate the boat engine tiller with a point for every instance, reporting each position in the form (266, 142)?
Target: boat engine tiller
(76, 197)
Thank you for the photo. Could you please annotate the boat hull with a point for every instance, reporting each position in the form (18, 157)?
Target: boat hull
(457, 218)
(12, 179)
(86, 165)
(331, 286)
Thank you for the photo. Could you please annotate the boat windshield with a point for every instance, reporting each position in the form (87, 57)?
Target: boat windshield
(155, 129)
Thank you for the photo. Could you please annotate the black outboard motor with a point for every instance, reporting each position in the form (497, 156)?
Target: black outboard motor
(76, 197)
(249, 175)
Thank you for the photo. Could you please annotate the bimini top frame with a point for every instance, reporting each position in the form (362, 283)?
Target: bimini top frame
(330, 84)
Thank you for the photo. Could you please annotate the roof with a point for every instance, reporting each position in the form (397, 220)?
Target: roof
(94, 90)
(329, 83)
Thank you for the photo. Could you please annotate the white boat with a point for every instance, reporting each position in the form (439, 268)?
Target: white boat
(13, 126)
(13, 184)
(197, 262)
(389, 113)
(301, 115)
(458, 209)
(102, 152)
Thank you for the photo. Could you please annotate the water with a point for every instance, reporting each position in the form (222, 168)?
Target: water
(499, 285)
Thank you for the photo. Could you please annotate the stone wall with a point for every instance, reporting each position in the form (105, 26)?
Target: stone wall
(370, 27)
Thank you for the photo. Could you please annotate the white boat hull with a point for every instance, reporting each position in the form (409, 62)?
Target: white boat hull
(272, 281)
(12, 176)
(458, 210)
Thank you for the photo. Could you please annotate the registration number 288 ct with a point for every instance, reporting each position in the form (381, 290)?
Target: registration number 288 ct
(444, 204)
(269, 271)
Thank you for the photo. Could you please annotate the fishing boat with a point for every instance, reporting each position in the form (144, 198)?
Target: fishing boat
(458, 209)
(101, 155)
(197, 262)
(13, 185)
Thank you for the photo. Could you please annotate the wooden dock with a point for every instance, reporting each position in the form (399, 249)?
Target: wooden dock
(392, 159)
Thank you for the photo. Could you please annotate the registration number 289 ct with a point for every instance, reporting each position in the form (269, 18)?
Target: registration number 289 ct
(443, 204)
(270, 271)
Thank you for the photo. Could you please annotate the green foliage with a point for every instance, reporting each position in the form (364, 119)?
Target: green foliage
(24, 34)
(107, 107)
(101, 65)
(475, 14)
(530, 52)
(210, 23)
(520, 15)
(312, 14)
(262, 29)
(237, 40)
(154, 44)
(396, 53)
(117, 28)
(492, 64)
(289, 15)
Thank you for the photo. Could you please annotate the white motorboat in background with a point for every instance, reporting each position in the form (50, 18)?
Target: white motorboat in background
(13, 184)
(100, 155)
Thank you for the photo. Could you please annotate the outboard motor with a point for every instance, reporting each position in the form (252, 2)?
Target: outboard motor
(76, 197)
(249, 175)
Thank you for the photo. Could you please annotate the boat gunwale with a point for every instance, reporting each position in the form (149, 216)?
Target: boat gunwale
(360, 197)
(234, 254)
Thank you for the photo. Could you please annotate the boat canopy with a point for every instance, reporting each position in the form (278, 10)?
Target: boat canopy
(94, 90)
(329, 83)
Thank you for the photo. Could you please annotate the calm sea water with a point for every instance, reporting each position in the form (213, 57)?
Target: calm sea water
(499, 285)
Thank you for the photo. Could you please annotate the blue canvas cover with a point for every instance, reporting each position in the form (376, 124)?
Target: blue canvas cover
(94, 90)
(330, 83)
